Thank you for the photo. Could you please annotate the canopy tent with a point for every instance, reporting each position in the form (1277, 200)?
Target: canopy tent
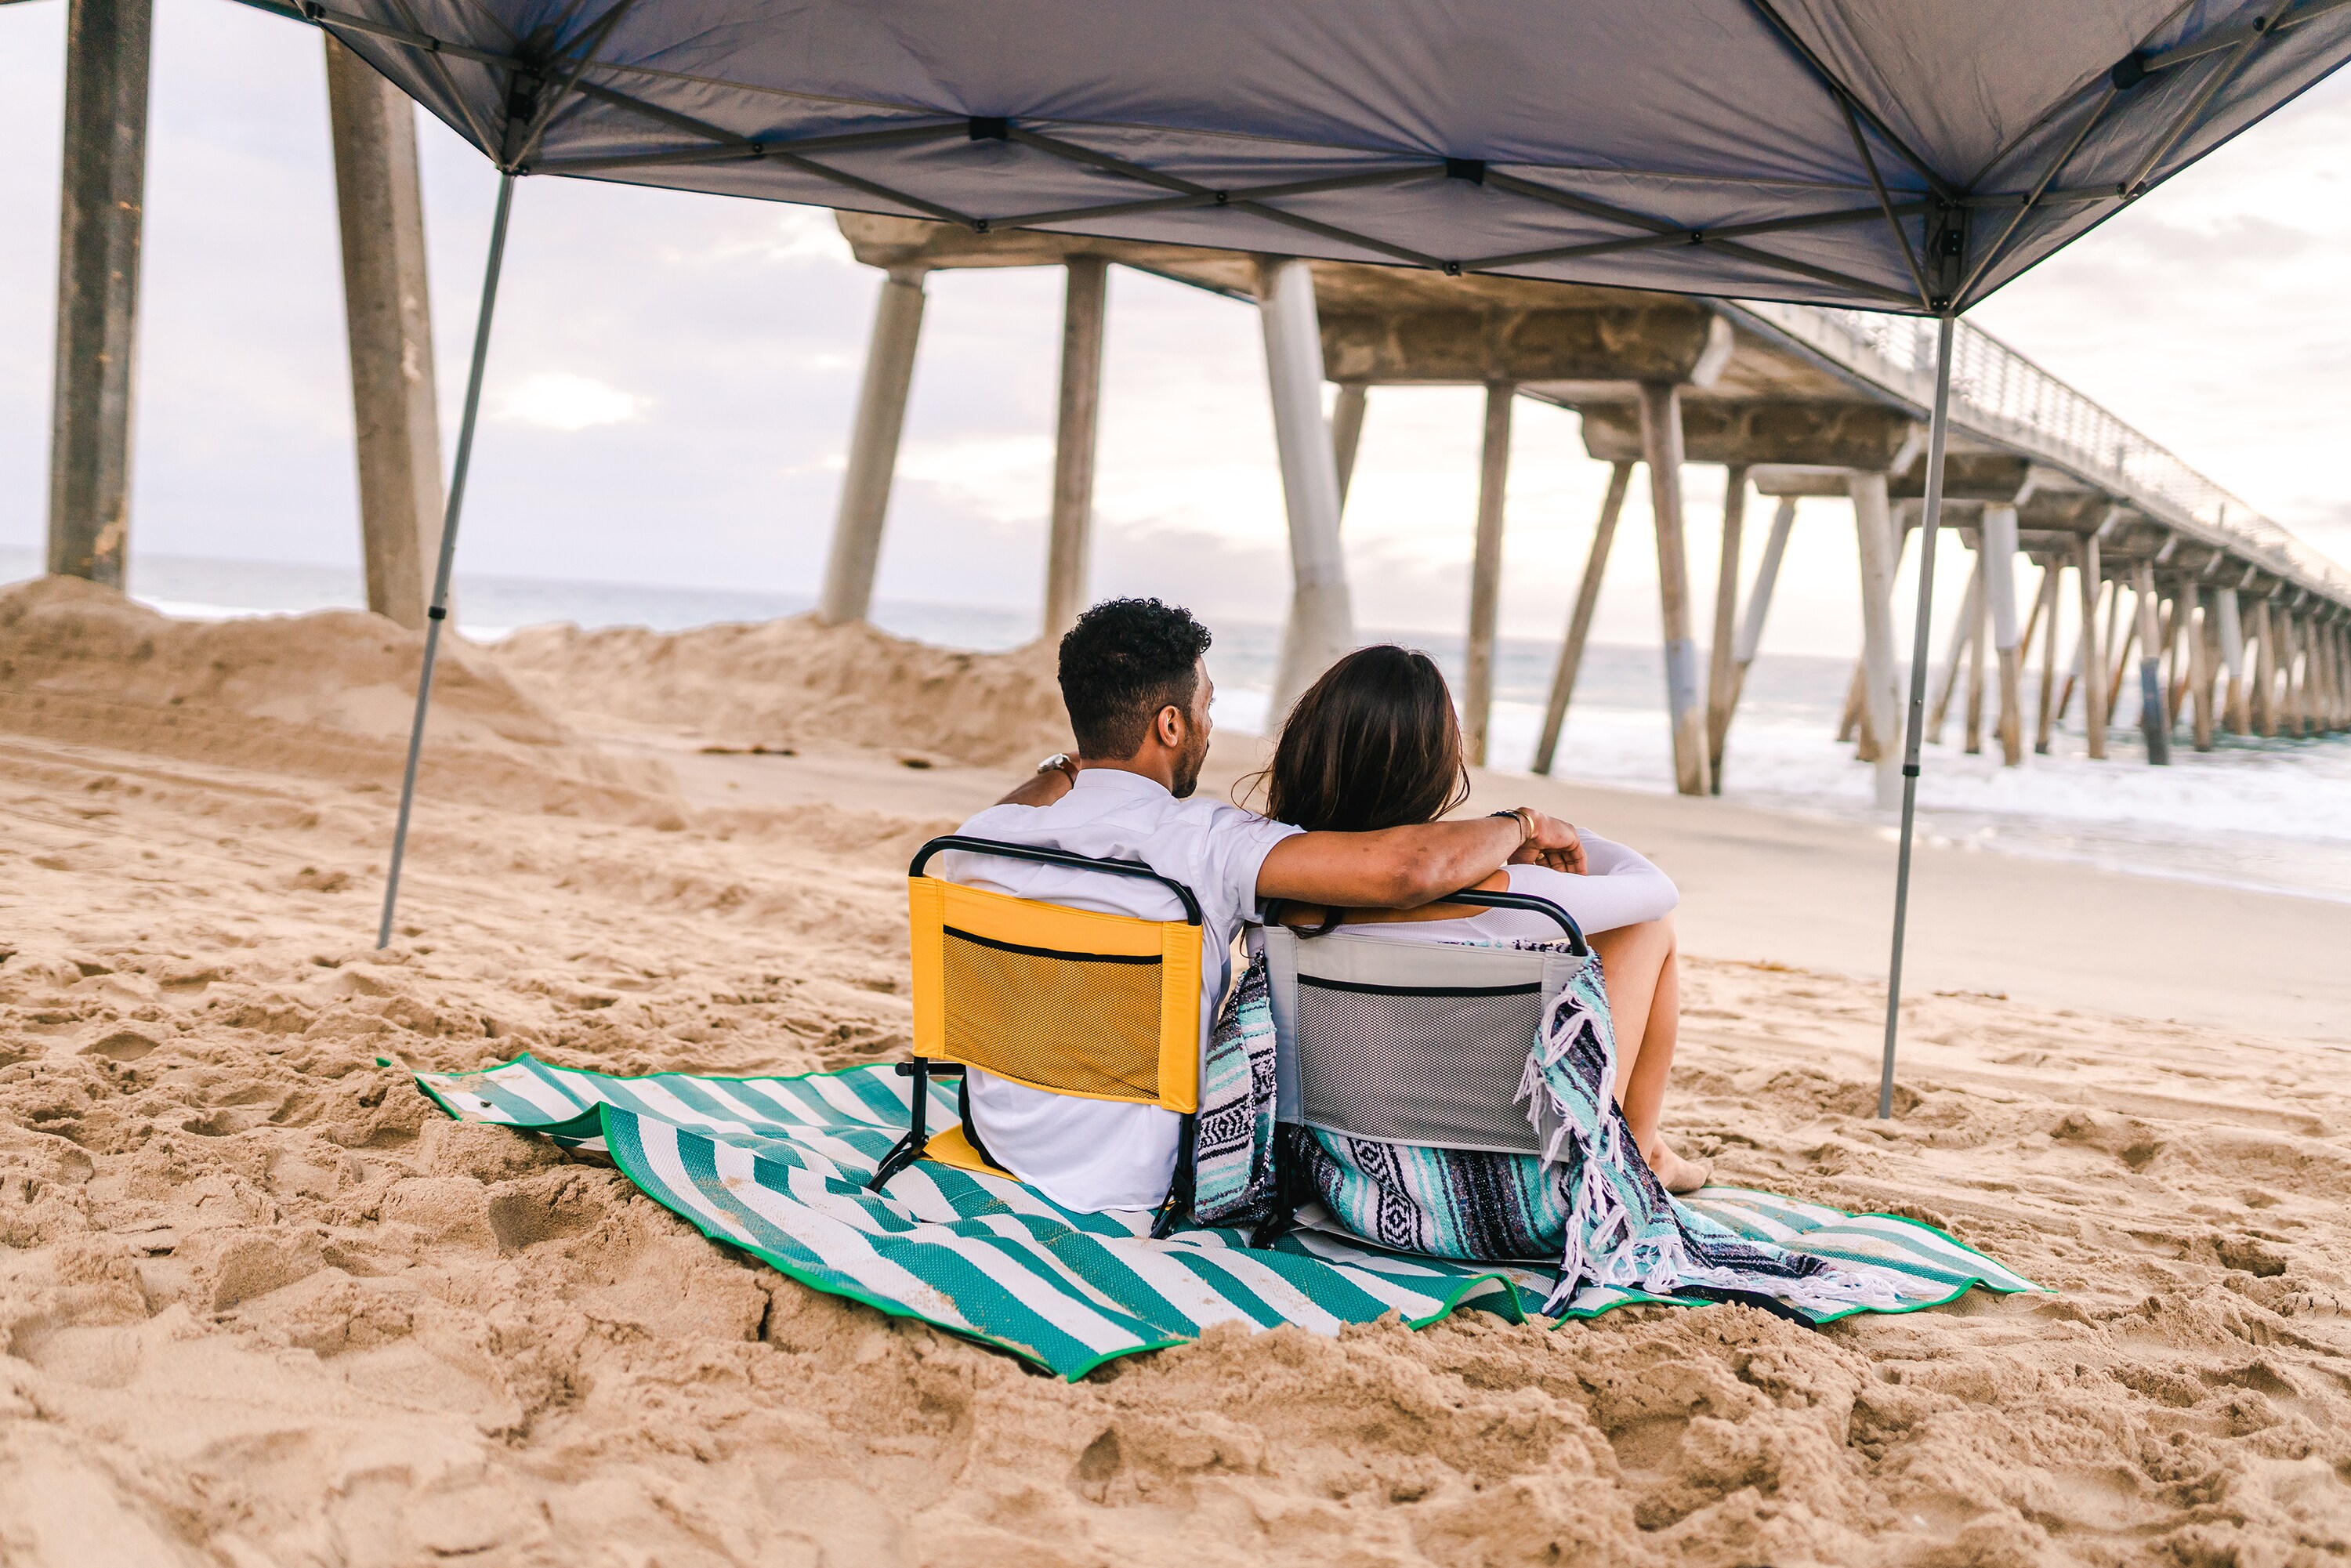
(1885, 154)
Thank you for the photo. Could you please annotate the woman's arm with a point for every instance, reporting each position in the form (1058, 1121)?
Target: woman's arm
(1403, 868)
(1620, 887)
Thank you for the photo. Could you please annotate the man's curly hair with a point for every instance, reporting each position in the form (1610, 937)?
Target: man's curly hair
(1123, 662)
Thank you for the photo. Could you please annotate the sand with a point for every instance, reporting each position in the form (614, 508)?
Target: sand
(261, 1305)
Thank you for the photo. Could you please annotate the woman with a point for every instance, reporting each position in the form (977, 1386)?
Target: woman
(1374, 743)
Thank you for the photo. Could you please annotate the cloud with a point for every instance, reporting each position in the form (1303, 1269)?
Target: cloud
(556, 399)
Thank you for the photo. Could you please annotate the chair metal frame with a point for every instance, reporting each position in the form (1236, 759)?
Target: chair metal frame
(1291, 1189)
(922, 1068)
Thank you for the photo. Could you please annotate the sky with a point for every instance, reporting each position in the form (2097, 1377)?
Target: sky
(672, 378)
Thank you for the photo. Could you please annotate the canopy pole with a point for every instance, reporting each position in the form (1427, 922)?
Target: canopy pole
(439, 610)
(1930, 524)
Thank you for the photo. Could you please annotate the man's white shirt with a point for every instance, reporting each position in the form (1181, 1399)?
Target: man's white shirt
(1092, 1154)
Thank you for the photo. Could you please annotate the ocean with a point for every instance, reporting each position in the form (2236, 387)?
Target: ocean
(2270, 815)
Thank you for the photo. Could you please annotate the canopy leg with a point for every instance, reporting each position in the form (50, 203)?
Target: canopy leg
(438, 612)
(1579, 624)
(1930, 525)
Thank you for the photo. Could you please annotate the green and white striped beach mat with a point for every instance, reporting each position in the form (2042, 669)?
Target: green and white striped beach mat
(777, 1167)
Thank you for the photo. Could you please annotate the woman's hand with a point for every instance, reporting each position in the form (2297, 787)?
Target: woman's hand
(1548, 843)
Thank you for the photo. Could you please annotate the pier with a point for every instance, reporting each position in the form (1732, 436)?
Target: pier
(2218, 618)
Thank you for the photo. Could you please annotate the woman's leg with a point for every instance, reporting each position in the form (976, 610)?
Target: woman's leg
(1639, 964)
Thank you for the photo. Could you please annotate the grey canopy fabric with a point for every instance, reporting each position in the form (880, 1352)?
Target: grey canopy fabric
(1887, 154)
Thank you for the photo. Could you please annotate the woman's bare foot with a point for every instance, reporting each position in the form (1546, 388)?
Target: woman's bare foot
(1675, 1173)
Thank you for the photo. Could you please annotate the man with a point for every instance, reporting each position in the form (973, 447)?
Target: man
(1135, 680)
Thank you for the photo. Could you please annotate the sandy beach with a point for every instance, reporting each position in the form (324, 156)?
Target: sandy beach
(262, 1304)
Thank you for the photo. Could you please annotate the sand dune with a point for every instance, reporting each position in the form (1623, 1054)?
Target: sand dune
(328, 695)
(261, 1305)
(799, 682)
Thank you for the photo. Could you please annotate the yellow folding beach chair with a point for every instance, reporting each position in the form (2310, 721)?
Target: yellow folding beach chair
(1072, 1002)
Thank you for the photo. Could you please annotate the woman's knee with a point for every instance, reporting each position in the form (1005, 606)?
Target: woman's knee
(1650, 942)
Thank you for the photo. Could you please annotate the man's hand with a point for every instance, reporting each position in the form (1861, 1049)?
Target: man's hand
(1049, 783)
(1550, 843)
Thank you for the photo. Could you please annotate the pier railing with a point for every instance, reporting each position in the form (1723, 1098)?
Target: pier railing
(1997, 393)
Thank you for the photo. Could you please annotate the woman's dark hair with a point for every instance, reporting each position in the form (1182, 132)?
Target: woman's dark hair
(1372, 744)
(1123, 661)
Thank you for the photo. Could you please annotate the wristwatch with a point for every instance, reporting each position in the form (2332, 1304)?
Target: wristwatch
(1059, 763)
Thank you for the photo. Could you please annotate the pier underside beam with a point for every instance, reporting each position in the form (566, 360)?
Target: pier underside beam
(2237, 712)
(1486, 571)
(1661, 439)
(1347, 435)
(2006, 640)
(1881, 689)
(1644, 338)
(2094, 648)
(1578, 620)
(1758, 600)
(1321, 626)
(101, 207)
(1076, 436)
(1965, 621)
(388, 308)
(1721, 676)
(2199, 660)
(873, 450)
(2154, 719)
(2263, 700)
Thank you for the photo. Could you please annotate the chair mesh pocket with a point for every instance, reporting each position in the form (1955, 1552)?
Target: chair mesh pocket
(1438, 1066)
(1083, 1023)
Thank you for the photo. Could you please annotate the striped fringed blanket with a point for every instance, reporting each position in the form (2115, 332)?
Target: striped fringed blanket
(1590, 1200)
(777, 1167)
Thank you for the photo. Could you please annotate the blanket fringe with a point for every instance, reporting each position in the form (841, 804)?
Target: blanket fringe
(1608, 1243)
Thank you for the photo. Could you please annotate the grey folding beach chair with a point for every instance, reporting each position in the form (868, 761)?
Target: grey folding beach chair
(1407, 1043)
